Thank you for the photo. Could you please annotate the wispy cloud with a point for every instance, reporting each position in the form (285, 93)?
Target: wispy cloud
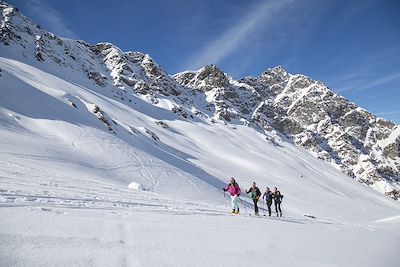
(51, 18)
(388, 113)
(233, 37)
(368, 72)
(364, 85)
(366, 64)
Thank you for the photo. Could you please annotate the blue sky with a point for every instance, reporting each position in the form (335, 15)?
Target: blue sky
(353, 46)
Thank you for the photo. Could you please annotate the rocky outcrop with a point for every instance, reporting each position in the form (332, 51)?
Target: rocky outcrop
(110, 123)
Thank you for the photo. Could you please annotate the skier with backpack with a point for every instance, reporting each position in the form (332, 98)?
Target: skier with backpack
(268, 195)
(234, 190)
(277, 196)
(255, 195)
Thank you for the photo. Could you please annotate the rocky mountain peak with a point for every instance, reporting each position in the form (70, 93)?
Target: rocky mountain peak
(213, 76)
(274, 80)
(14, 26)
(205, 79)
(8, 10)
(275, 71)
(134, 70)
(210, 70)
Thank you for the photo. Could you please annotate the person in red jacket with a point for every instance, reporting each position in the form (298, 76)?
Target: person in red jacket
(234, 190)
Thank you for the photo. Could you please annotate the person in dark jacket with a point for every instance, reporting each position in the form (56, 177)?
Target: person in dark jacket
(255, 195)
(268, 198)
(277, 196)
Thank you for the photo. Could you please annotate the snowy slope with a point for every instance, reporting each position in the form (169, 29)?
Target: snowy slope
(74, 135)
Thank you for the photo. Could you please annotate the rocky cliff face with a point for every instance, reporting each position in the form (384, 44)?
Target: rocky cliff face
(294, 108)
(330, 126)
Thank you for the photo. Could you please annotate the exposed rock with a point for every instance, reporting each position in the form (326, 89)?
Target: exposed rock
(133, 130)
(97, 77)
(162, 124)
(205, 79)
(104, 118)
(152, 135)
(141, 88)
(395, 194)
(72, 103)
(393, 150)
(178, 110)
(152, 99)
(288, 126)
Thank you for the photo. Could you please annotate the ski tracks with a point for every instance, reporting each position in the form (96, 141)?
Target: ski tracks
(118, 235)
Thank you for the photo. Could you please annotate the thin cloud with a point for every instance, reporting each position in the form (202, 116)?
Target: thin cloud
(388, 113)
(374, 83)
(233, 37)
(51, 18)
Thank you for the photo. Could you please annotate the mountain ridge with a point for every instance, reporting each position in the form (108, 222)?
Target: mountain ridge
(281, 105)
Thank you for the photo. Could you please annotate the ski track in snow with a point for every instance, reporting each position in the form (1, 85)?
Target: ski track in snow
(81, 197)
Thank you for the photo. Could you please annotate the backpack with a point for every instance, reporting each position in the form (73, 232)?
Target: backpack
(258, 193)
(268, 196)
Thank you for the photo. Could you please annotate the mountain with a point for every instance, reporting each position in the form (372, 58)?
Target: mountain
(293, 108)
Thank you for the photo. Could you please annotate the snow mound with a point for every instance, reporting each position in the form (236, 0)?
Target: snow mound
(136, 186)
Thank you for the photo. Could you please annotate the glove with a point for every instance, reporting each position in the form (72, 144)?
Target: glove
(224, 189)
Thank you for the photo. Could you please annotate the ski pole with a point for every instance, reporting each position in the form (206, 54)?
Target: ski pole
(262, 204)
(224, 197)
(245, 209)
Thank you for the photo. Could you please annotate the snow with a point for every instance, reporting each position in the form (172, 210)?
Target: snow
(136, 186)
(302, 93)
(394, 219)
(74, 192)
(392, 137)
(126, 238)
(72, 179)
